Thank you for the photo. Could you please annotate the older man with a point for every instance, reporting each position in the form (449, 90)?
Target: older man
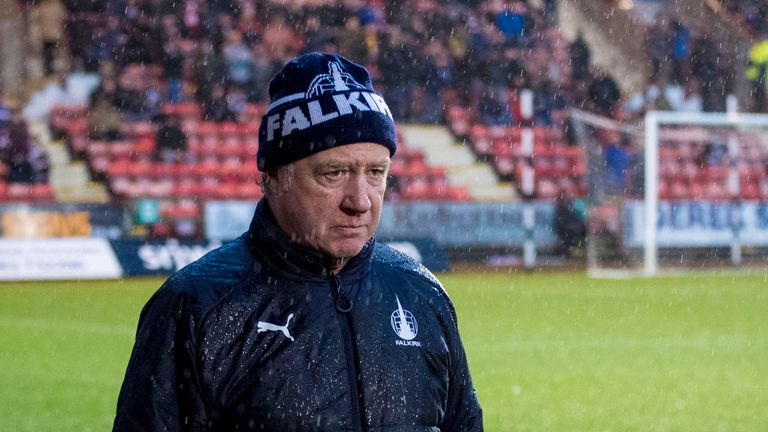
(305, 322)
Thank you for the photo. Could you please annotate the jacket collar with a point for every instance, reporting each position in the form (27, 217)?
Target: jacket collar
(268, 241)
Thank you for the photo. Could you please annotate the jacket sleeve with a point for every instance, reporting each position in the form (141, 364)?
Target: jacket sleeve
(463, 412)
(160, 391)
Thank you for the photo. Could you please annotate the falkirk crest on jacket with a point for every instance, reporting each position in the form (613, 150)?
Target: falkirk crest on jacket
(405, 326)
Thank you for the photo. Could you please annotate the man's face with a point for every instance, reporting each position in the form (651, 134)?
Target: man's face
(331, 201)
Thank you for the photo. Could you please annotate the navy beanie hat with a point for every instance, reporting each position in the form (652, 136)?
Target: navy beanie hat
(319, 101)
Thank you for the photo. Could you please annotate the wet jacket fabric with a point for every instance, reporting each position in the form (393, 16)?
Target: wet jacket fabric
(260, 335)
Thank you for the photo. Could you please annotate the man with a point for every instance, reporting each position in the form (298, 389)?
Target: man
(305, 323)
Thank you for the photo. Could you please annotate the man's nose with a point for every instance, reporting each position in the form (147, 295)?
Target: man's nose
(356, 198)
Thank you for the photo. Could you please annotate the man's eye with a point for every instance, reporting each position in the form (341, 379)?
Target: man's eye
(334, 174)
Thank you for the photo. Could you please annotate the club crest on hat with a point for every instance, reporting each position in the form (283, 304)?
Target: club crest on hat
(336, 80)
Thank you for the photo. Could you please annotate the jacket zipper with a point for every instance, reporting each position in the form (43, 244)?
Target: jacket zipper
(344, 306)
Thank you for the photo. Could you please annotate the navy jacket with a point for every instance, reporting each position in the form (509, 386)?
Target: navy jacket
(259, 335)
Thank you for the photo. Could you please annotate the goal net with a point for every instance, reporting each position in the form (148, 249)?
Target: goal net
(702, 178)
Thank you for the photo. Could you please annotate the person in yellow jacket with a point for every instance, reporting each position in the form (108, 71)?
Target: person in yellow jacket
(756, 73)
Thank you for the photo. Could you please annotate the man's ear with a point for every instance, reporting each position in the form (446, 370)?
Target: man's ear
(278, 180)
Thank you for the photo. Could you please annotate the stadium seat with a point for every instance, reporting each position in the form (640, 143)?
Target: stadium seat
(144, 145)
(750, 190)
(249, 171)
(249, 191)
(505, 166)
(458, 193)
(140, 169)
(225, 190)
(546, 188)
(118, 168)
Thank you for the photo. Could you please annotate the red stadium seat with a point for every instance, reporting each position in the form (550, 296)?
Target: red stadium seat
(118, 168)
(141, 169)
(505, 165)
(750, 191)
(417, 191)
(249, 191)
(457, 193)
(225, 190)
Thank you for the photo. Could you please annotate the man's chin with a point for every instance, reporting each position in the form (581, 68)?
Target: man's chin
(347, 248)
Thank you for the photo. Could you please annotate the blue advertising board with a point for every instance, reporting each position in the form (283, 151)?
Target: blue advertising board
(699, 223)
(467, 224)
(158, 257)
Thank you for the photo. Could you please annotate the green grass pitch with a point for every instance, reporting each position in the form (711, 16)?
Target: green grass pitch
(549, 352)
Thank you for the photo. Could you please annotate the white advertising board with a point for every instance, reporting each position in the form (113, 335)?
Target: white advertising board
(61, 258)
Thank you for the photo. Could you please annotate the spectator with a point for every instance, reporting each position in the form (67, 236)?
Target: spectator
(173, 70)
(280, 39)
(705, 64)
(512, 23)
(7, 146)
(581, 62)
(659, 50)
(170, 140)
(398, 60)
(104, 120)
(680, 42)
(50, 16)
(756, 72)
(569, 226)
(192, 22)
(351, 40)
(27, 162)
(39, 161)
(546, 101)
(239, 60)
(216, 107)
(617, 155)
(604, 94)
(493, 107)
(264, 69)
(316, 35)
(210, 69)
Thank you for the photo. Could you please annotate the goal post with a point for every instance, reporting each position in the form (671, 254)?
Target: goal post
(702, 178)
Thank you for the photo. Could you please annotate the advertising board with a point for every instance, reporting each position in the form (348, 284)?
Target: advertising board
(25, 220)
(158, 257)
(53, 259)
(699, 223)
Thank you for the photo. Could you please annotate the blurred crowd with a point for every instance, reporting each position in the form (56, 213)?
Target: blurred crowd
(753, 13)
(424, 55)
